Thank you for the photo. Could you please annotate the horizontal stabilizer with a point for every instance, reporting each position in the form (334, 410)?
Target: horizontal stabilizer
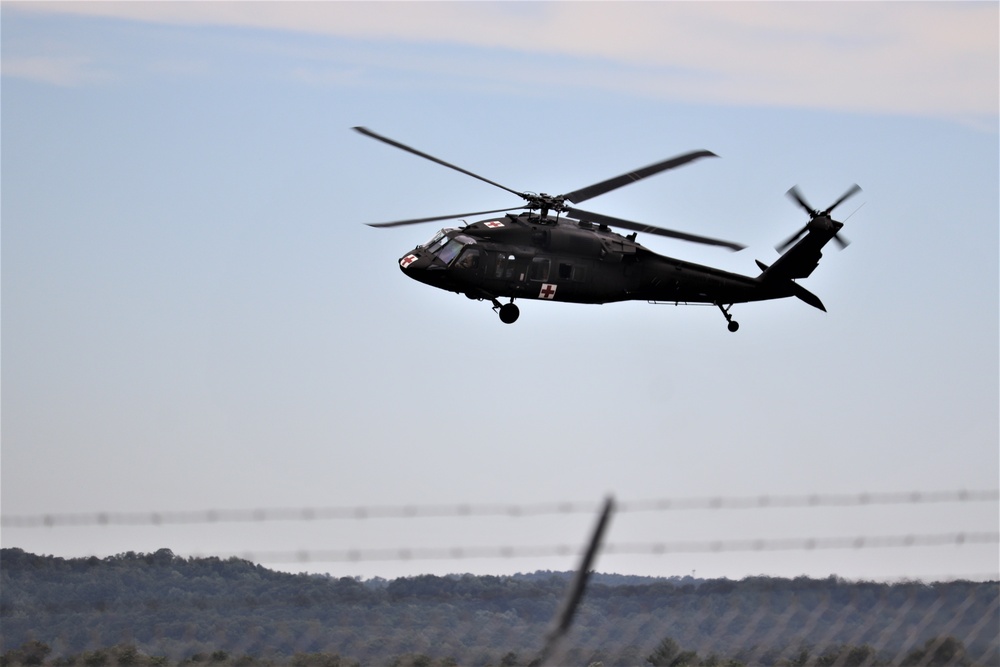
(792, 286)
(807, 296)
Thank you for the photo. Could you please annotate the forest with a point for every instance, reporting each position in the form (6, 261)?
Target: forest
(158, 609)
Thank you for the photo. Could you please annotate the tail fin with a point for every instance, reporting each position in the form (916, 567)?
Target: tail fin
(800, 260)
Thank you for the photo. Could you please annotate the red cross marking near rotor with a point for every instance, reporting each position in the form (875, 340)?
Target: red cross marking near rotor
(406, 261)
(548, 291)
(494, 224)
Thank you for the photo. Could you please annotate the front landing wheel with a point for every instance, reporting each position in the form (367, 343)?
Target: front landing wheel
(509, 313)
(734, 326)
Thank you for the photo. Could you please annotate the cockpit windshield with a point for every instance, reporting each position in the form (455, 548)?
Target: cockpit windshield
(450, 251)
(446, 249)
(439, 240)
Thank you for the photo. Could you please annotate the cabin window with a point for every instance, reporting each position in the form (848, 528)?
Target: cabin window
(505, 267)
(572, 272)
(539, 269)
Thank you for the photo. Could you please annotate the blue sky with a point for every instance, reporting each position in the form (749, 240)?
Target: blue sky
(195, 317)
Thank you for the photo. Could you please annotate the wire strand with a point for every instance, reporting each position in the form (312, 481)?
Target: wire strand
(215, 516)
(648, 548)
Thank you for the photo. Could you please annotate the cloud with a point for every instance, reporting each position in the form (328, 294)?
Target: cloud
(920, 58)
(58, 71)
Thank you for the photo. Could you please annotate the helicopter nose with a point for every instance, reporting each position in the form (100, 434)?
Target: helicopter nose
(408, 260)
(415, 265)
(416, 259)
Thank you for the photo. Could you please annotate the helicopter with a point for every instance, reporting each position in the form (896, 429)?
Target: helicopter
(552, 251)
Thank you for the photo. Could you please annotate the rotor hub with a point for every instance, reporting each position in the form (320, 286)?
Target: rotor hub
(545, 202)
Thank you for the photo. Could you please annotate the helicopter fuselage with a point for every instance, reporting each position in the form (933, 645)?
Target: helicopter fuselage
(528, 257)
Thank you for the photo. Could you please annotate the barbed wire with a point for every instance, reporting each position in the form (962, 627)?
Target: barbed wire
(612, 549)
(413, 511)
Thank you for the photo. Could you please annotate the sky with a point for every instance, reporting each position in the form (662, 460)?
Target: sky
(195, 318)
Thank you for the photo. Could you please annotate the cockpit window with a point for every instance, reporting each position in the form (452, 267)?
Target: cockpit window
(439, 240)
(437, 243)
(448, 249)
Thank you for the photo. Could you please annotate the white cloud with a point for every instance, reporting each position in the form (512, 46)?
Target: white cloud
(894, 57)
(58, 71)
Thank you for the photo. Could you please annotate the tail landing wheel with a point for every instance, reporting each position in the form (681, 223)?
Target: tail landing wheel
(733, 325)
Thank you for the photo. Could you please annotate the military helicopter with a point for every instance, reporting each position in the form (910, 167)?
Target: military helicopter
(556, 252)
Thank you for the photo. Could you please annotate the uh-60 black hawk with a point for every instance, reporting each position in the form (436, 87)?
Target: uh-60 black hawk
(554, 251)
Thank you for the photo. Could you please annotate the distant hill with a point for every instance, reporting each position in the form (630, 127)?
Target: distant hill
(164, 605)
(610, 579)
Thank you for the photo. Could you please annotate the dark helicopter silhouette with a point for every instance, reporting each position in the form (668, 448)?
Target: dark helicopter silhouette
(554, 251)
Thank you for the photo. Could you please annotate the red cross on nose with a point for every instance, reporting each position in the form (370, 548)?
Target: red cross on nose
(406, 261)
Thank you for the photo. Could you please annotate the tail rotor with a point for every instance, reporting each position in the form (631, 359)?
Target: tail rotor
(818, 220)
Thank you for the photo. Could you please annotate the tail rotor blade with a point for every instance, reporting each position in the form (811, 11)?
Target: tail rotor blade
(853, 190)
(781, 247)
(797, 197)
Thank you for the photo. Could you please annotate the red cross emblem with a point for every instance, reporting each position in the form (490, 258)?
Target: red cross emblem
(548, 292)
(493, 224)
(406, 261)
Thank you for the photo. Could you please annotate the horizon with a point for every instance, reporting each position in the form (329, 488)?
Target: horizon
(567, 574)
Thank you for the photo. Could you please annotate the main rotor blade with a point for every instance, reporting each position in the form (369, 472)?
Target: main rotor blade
(600, 218)
(417, 221)
(368, 133)
(592, 191)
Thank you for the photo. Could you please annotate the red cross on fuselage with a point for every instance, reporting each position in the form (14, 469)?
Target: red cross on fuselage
(548, 291)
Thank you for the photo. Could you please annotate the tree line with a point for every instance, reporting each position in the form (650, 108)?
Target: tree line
(159, 610)
(945, 652)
